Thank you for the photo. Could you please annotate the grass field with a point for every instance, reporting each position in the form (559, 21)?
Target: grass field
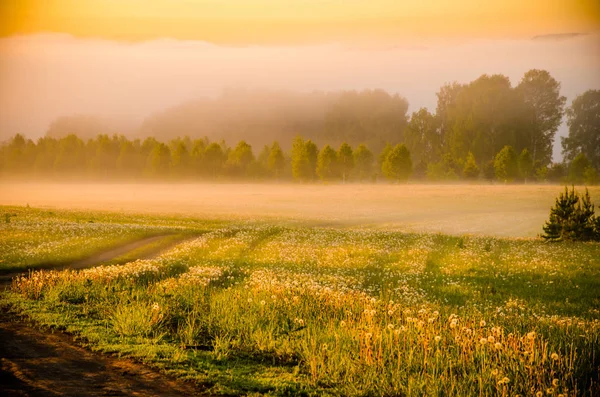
(320, 306)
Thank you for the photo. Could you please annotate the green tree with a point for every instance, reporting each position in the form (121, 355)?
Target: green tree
(363, 160)
(300, 162)
(345, 160)
(160, 160)
(471, 169)
(398, 164)
(525, 165)
(422, 136)
(311, 154)
(541, 92)
(276, 160)
(327, 163)
(70, 158)
(128, 161)
(240, 159)
(577, 168)
(572, 218)
(583, 119)
(180, 159)
(506, 164)
(213, 160)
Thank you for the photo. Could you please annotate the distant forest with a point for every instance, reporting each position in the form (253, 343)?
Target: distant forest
(485, 129)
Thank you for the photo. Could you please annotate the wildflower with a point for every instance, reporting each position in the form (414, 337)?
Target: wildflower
(342, 323)
(155, 306)
(498, 346)
(249, 300)
(554, 356)
(262, 303)
(539, 394)
(505, 380)
(390, 326)
(483, 341)
(555, 382)
(495, 372)
(531, 335)
(482, 323)
(491, 339)
(549, 390)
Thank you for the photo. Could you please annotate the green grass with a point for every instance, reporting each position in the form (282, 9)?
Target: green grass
(279, 310)
(35, 238)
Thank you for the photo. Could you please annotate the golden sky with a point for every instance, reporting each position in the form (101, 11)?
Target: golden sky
(297, 21)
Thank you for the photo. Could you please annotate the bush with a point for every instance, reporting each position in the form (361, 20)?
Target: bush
(572, 218)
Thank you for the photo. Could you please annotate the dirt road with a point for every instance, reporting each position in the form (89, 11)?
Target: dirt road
(43, 363)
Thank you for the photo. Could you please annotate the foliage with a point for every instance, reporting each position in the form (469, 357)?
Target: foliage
(327, 163)
(363, 160)
(525, 165)
(397, 164)
(345, 160)
(572, 218)
(577, 168)
(583, 119)
(276, 160)
(471, 170)
(506, 164)
(258, 309)
(541, 92)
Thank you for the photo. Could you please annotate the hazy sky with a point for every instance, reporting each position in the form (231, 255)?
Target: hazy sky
(127, 58)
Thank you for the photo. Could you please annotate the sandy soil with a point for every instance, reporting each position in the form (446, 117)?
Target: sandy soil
(500, 210)
(37, 363)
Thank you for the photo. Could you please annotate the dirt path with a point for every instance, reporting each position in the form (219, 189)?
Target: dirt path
(99, 258)
(41, 363)
(36, 363)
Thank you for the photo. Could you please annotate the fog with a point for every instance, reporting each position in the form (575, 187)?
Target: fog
(46, 76)
(501, 210)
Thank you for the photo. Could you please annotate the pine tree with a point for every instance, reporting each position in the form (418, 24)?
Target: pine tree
(572, 218)
(471, 170)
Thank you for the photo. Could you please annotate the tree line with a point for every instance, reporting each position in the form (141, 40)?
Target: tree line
(485, 129)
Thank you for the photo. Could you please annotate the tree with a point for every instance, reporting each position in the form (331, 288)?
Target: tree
(311, 154)
(276, 159)
(525, 165)
(383, 155)
(180, 160)
(471, 170)
(327, 163)
(372, 117)
(506, 164)
(213, 160)
(363, 160)
(577, 168)
(240, 158)
(541, 92)
(159, 160)
(345, 160)
(583, 119)
(572, 218)
(486, 115)
(423, 137)
(301, 162)
(398, 164)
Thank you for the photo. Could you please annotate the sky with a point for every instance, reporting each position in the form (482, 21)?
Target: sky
(125, 59)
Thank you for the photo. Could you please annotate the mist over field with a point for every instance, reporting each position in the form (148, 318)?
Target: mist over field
(508, 211)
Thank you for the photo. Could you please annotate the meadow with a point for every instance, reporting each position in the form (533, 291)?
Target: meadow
(291, 306)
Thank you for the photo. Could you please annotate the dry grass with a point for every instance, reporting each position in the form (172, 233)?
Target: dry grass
(514, 210)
